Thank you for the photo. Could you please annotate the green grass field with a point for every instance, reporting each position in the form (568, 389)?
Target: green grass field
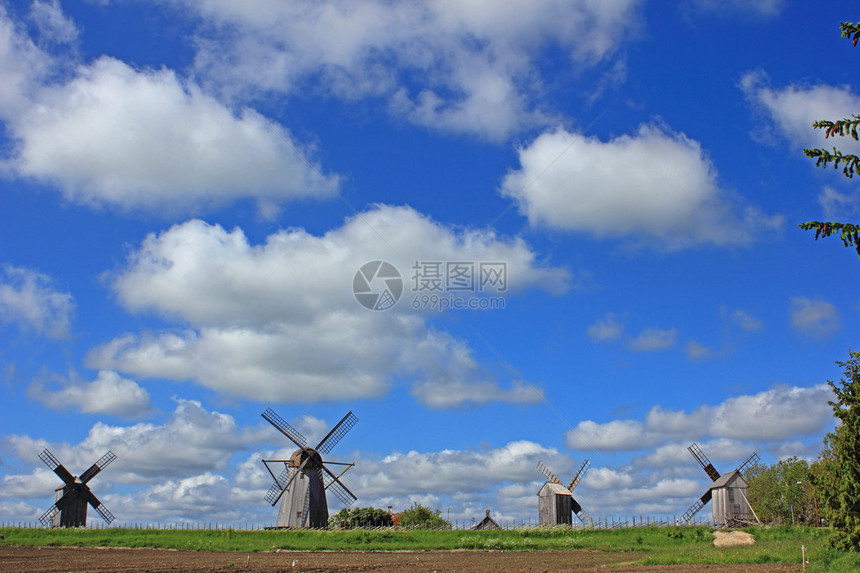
(660, 545)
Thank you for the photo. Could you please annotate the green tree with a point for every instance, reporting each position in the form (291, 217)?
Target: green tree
(421, 516)
(849, 233)
(360, 517)
(783, 492)
(839, 483)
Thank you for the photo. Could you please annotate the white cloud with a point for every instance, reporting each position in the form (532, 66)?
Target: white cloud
(148, 452)
(793, 109)
(743, 319)
(109, 393)
(697, 351)
(279, 322)
(28, 299)
(606, 328)
(837, 206)
(108, 134)
(654, 184)
(614, 435)
(40, 483)
(772, 415)
(653, 339)
(23, 67)
(461, 66)
(751, 7)
(205, 496)
(53, 25)
(453, 472)
(814, 317)
(189, 151)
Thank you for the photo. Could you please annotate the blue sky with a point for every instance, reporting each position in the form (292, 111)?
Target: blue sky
(190, 187)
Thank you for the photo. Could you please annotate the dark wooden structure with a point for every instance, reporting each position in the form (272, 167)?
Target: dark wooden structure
(488, 523)
(731, 505)
(304, 478)
(556, 504)
(72, 498)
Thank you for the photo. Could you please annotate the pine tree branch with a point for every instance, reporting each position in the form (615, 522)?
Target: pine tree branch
(849, 233)
(823, 157)
(851, 31)
(840, 127)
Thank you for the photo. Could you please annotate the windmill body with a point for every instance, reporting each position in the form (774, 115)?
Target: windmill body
(728, 500)
(304, 504)
(728, 491)
(556, 504)
(305, 478)
(72, 498)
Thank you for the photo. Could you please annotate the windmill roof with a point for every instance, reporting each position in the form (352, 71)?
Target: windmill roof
(730, 479)
(555, 488)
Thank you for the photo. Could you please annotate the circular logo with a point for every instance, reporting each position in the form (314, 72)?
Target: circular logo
(377, 285)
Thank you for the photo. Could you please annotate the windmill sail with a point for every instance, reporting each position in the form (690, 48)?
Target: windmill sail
(302, 485)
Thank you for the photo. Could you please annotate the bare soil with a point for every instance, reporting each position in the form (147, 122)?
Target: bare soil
(59, 559)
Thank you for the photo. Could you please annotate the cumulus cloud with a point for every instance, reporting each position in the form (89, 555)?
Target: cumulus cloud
(452, 472)
(29, 300)
(652, 339)
(54, 26)
(836, 205)
(109, 393)
(278, 321)
(23, 67)
(771, 415)
(454, 66)
(813, 317)
(142, 139)
(794, 108)
(755, 7)
(148, 452)
(743, 319)
(607, 328)
(571, 182)
(697, 351)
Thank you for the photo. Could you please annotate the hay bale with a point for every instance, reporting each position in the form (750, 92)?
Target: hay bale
(731, 538)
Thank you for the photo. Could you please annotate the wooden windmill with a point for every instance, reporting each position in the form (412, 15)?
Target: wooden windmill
(556, 504)
(70, 509)
(302, 476)
(729, 492)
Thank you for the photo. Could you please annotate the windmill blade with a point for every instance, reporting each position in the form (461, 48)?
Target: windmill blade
(101, 464)
(584, 517)
(703, 460)
(103, 511)
(57, 467)
(753, 459)
(579, 475)
(288, 484)
(88, 495)
(548, 474)
(338, 489)
(275, 491)
(286, 429)
(700, 503)
(338, 432)
(48, 517)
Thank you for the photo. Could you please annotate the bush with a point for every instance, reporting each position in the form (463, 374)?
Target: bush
(423, 517)
(360, 517)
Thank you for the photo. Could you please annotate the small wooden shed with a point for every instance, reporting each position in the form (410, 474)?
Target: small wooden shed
(729, 500)
(555, 505)
(487, 523)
